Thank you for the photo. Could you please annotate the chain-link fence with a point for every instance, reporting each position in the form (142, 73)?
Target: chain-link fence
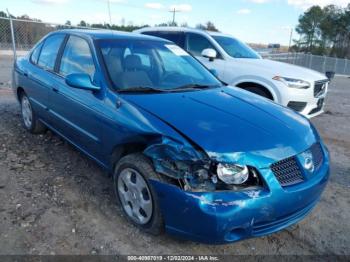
(18, 36)
(319, 63)
(25, 33)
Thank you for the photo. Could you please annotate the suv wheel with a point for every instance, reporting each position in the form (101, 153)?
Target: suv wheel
(259, 91)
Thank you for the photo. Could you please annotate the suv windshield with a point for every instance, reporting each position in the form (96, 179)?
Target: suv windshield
(236, 48)
(135, 65)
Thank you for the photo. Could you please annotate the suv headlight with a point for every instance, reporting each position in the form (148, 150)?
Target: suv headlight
(293, 83)
(232, 174)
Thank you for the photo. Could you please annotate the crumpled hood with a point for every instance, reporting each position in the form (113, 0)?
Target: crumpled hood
(232, 125)
(274, 68)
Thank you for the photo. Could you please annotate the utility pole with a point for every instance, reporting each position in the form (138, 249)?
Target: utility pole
(109, 12)
(290, 39)
(174, 11)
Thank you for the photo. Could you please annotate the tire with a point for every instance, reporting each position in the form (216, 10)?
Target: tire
(132, 173)
(259, 91)
(29, 118)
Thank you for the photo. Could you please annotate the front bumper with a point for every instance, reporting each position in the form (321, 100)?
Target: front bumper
(225, 217)
(313, 104)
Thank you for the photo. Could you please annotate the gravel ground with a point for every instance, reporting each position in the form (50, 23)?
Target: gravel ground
(54, 200)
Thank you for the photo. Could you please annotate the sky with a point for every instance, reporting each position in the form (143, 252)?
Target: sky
(252, 21)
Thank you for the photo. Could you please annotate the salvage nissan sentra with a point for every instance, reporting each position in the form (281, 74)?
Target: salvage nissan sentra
(188, 154)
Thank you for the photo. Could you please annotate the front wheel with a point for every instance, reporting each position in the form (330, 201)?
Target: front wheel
(30, 121)
(259, 91)
(136, 195)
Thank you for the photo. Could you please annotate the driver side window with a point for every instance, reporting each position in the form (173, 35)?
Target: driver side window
(77, 58)
(196, 43)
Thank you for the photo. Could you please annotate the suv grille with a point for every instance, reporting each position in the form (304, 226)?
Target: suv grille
(287, 171)
(320, 88)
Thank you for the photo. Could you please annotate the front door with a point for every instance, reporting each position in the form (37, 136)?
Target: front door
(76, 112)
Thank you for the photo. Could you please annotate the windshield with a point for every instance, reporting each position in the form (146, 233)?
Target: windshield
(134, 64)
(236, 48)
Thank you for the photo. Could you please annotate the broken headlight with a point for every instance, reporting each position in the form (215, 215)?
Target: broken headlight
(192, 170)
(232, 174)
(221, 177)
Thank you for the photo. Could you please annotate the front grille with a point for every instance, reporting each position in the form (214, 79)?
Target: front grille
(287, 171)
(317, 155)
(297, 106)
(320, 88)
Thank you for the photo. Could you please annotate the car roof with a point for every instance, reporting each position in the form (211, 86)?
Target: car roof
(180, 29)
(108, 34)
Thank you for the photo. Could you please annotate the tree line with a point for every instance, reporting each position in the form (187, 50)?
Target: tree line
(324, 31)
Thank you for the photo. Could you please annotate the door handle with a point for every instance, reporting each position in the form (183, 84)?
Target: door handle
(55, 89)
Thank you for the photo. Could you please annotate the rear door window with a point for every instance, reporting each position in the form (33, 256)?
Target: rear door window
(49, 51)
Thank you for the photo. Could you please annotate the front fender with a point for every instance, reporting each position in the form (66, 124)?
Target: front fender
(269, 85)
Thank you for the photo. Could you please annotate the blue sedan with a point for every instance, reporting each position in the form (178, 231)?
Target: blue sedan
(188, 154)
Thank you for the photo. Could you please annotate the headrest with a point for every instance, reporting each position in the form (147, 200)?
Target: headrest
(132, 62)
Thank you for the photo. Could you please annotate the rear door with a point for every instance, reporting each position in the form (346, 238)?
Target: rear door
(39, 75)
(76, 112)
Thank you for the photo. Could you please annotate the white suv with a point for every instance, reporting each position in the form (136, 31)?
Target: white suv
(235, 63)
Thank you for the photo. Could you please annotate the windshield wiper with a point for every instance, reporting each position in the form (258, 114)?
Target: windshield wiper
(193, 86)
(141, 89)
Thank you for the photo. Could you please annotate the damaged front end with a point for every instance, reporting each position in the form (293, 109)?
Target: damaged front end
(192, 169)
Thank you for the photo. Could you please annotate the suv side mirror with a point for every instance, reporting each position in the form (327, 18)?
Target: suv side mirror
(81, 81)
(209, 53)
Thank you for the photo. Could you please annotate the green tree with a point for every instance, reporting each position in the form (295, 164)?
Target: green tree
(209, 26)
(325, 31)
(3, 14)
(309, 26)
(82, 23)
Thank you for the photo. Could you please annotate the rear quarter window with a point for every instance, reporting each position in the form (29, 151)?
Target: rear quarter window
(35, 53)
(50, 50)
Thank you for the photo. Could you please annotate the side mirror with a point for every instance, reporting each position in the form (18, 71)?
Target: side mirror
(81, 81)
(209, 53)
(330, 75)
